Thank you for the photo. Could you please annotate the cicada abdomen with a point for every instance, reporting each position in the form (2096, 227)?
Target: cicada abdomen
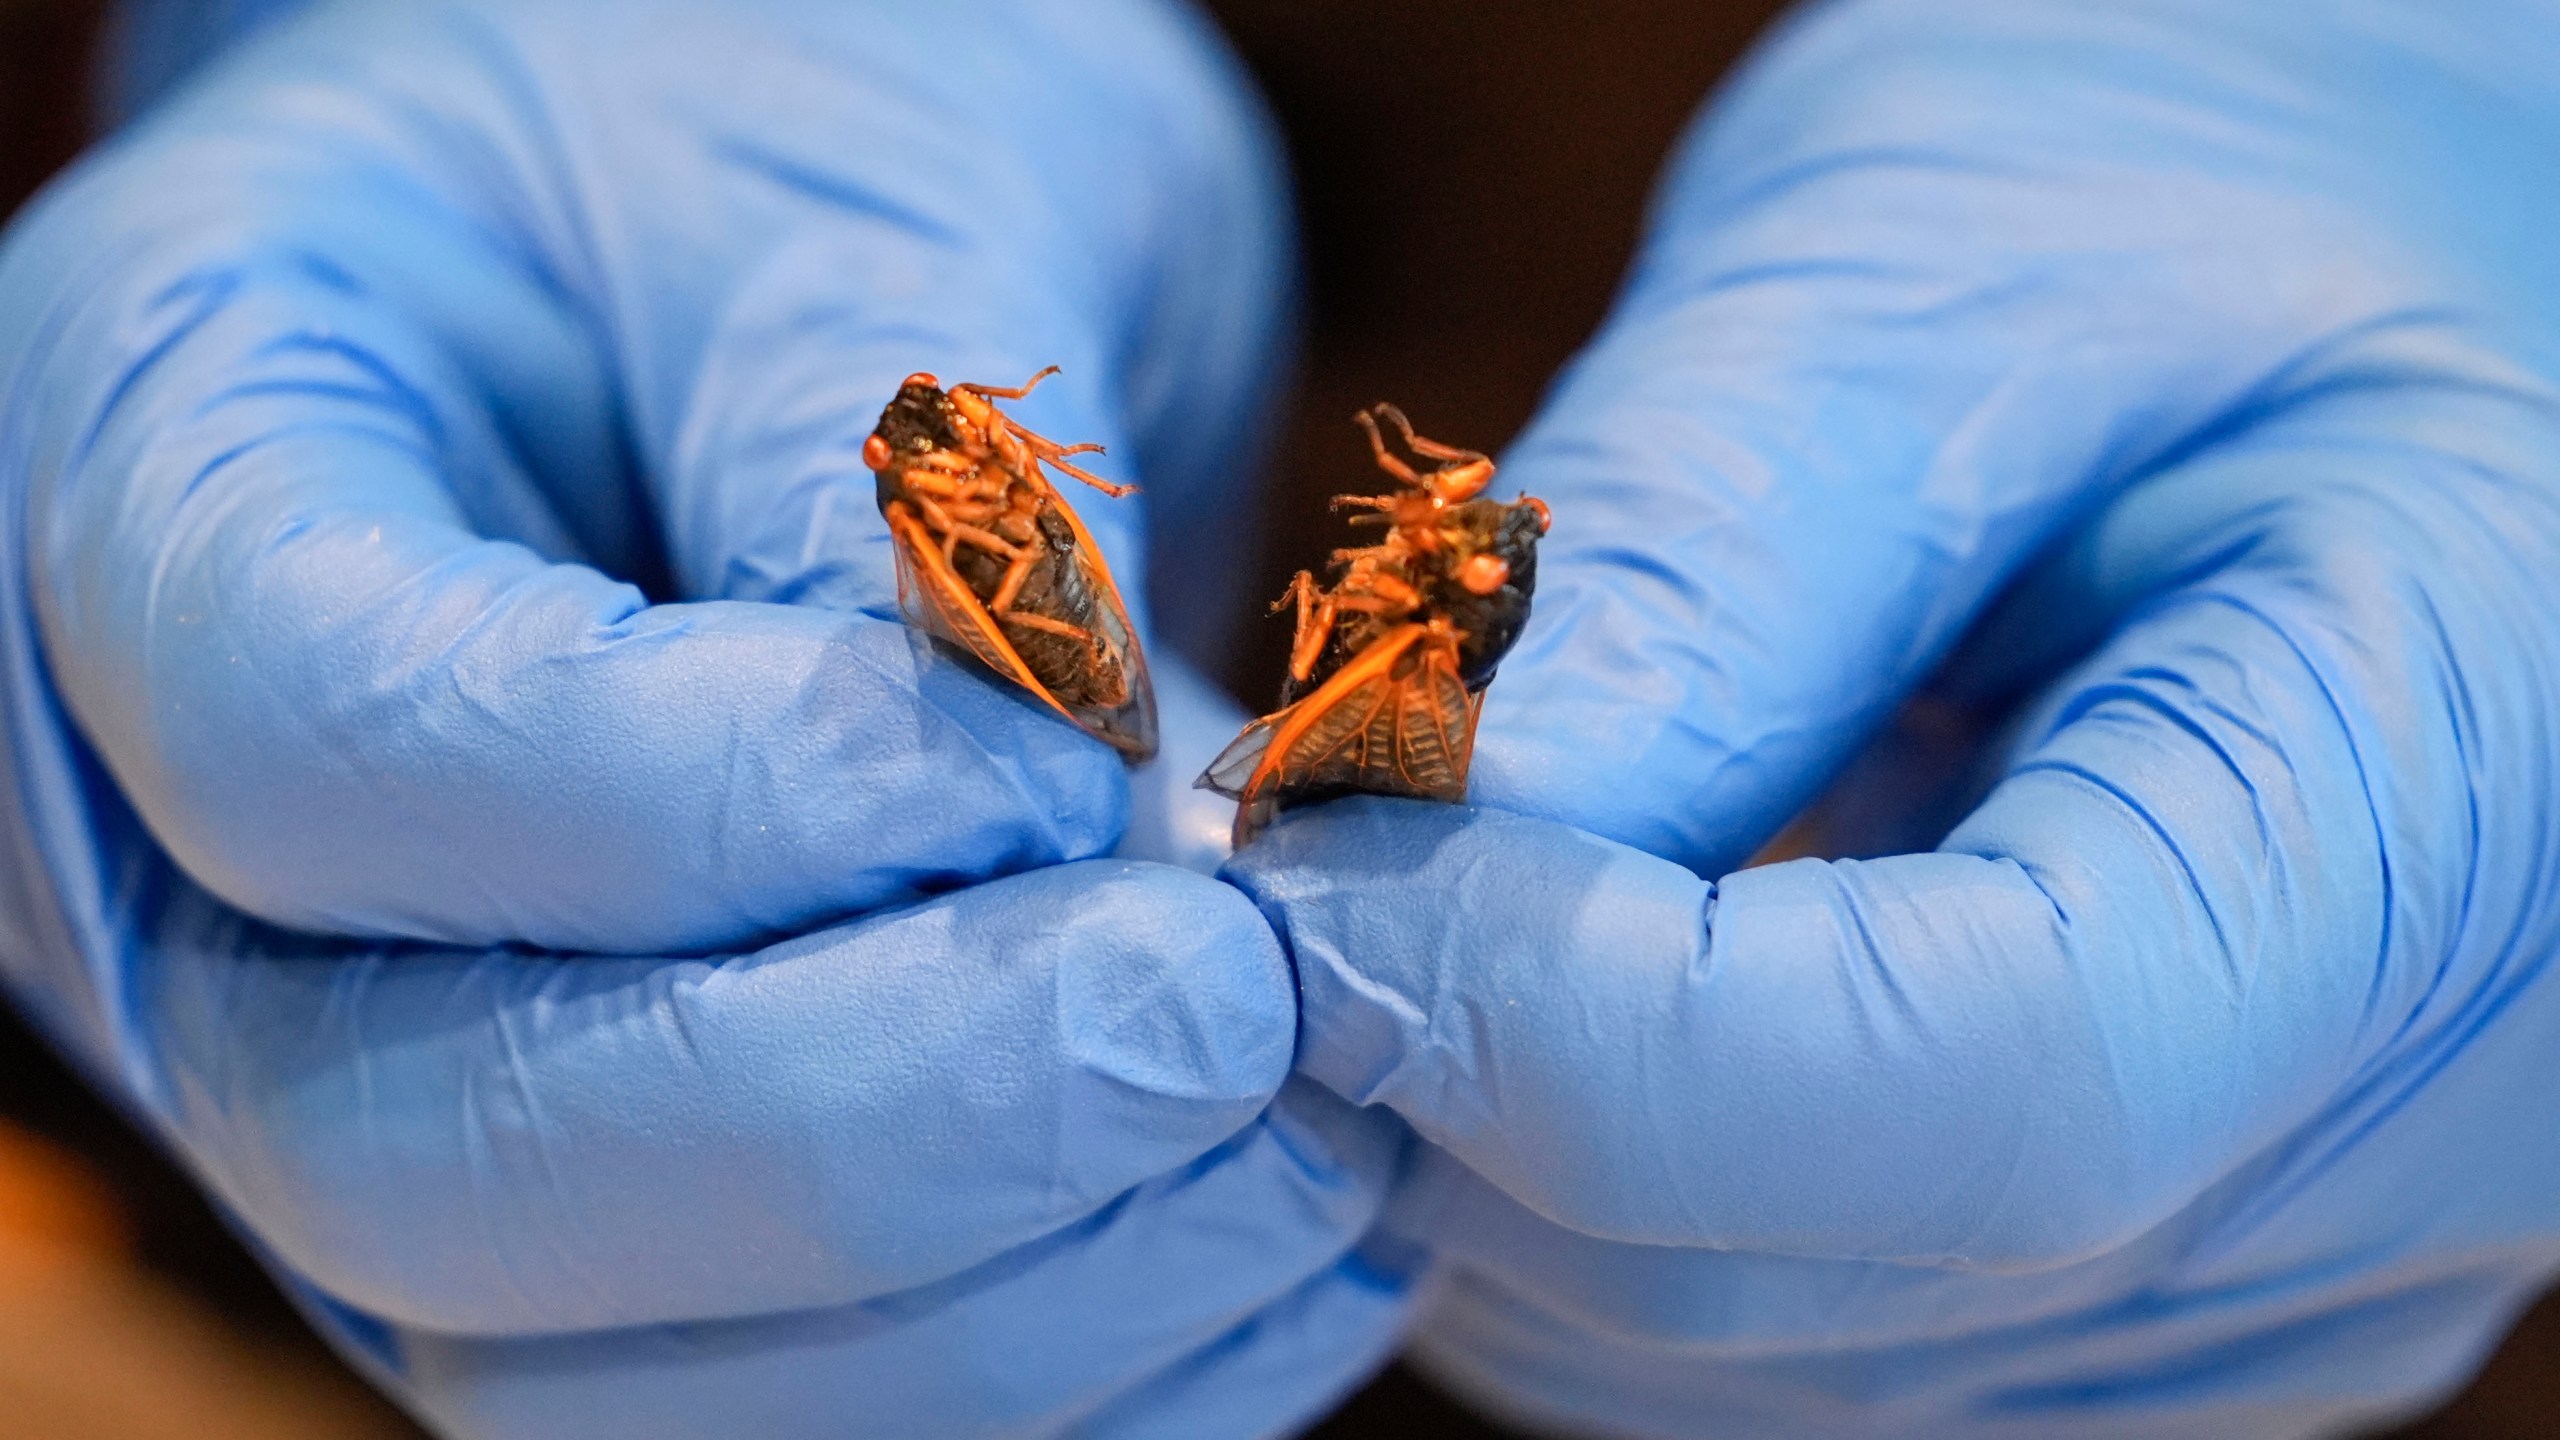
(991, 558)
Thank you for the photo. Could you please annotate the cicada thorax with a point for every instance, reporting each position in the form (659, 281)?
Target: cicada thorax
(993, 559)
(1486, 606)
(1393, 654)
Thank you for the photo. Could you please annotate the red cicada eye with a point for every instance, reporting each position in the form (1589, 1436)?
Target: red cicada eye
(875, 453)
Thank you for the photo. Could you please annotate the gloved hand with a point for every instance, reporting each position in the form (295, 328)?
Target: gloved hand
(469, 789)
(2170, 392)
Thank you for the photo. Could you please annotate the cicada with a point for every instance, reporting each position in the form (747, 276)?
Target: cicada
(1390, 662)
(991, 558)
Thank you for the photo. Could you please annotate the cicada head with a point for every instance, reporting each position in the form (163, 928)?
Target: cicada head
(1484, 574)
(919, 420)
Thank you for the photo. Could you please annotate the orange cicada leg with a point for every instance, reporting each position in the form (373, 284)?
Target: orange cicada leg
(1315, 625)
(1378, 449)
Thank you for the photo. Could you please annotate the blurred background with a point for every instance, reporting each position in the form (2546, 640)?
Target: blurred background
(1471, 177)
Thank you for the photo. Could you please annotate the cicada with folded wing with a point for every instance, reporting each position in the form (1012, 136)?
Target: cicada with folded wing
(1388, 670)
(991, 558)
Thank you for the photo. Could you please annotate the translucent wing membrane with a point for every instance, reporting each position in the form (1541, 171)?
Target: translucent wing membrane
(1127, 722)
(937, 601)
(1396, 720)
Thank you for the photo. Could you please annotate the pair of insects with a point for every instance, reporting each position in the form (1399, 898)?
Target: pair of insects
(1389, 664)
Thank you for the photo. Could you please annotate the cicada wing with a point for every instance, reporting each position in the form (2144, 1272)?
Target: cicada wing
(1239, 775)
(1423, 734)
(1435, 734)
(1395, 720)
(1232, 771)
(1130, 726)
(937, 601)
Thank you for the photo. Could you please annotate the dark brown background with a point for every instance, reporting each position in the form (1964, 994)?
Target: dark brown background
(1471, 174)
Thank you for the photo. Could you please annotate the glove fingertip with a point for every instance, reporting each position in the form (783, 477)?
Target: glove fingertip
(1182, 993)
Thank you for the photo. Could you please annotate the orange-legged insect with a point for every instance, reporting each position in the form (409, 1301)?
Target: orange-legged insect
(1388, 668)
(992, 558)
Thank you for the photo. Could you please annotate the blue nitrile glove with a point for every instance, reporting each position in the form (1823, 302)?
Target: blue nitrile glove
(2201, 1082)
(354, 785)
